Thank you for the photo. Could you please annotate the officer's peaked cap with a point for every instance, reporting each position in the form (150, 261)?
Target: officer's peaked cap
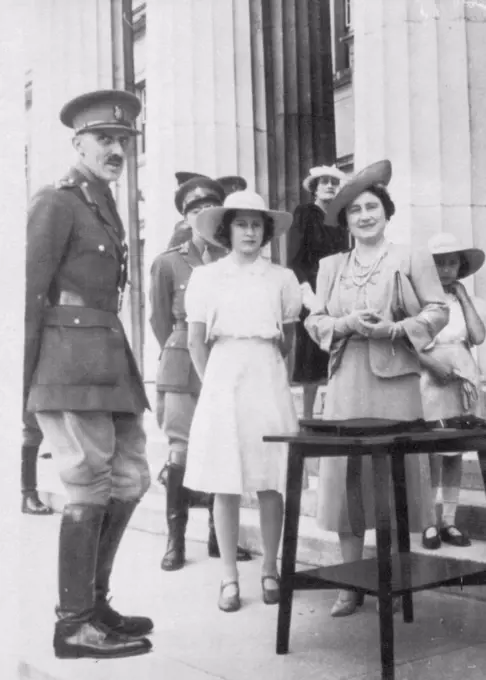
(196, 190)
(114, 110)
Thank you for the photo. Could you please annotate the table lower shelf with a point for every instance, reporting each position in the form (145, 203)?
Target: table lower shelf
(411, 572)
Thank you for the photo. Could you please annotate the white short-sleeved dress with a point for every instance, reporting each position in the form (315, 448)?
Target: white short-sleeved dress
(245, 392)
(451, 347)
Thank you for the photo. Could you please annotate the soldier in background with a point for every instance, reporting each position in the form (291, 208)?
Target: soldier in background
(230, 184)
(80, 377)
(178, 385)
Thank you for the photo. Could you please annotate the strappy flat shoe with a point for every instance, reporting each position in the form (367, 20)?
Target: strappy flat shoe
(229, 603)
(431, 538)
(347, 604)
(451, 534)
(271, 595)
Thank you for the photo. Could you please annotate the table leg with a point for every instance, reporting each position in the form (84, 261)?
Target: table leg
(289, 548)
(482, 464)
(403, 531)
(381, 479)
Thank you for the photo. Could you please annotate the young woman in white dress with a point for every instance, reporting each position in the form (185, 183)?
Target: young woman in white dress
(242, 312)
(451, 381)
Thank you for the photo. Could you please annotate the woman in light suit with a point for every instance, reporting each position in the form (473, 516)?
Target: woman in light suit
(374, 369)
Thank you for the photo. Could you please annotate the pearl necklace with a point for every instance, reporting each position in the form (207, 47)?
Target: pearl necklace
(361, 279)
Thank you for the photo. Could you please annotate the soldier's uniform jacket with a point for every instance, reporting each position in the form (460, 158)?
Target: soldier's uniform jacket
(77, 356)
(169, 277)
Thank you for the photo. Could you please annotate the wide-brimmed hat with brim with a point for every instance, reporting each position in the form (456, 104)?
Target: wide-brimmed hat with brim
(319, 171)
(378, 173)
(472, 259)
(208, 221)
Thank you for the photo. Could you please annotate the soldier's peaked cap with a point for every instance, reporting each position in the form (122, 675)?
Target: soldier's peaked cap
(182, 177)
(196, 190)
(113, 110)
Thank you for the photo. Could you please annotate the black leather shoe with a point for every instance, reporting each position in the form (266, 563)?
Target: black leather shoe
(453, 536)
(94, 640)
(431, 540)
(32, 505)
(133, 626)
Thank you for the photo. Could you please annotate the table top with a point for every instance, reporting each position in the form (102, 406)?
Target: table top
(440, 440)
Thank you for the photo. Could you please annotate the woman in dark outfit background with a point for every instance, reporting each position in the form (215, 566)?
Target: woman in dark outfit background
(309, 240)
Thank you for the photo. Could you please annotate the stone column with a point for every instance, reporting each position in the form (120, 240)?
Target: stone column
(420, 100)
(70, 54)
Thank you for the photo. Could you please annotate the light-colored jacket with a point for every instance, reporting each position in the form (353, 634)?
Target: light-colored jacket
(427, 310)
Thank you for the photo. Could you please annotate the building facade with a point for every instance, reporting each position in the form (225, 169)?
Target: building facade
(269, 88)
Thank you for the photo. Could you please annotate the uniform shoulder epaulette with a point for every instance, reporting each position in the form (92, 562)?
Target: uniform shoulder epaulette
(65, 183)
(182, 248)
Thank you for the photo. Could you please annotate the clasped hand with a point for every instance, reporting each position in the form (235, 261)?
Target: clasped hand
(370, 324)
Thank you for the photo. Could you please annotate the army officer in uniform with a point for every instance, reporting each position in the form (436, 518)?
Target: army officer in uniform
(80, 377)
(178, 385)
(229, 183)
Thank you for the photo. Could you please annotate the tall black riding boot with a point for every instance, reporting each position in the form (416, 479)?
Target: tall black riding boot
(177, 516)
(242, 555)
(31, 503)
(78, 632)
(115, 521)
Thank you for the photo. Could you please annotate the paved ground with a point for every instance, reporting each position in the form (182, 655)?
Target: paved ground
(193, 640)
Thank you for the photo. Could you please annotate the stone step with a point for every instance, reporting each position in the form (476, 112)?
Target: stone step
(315, 547)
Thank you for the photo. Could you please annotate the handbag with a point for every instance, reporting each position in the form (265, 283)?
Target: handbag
(404, 299)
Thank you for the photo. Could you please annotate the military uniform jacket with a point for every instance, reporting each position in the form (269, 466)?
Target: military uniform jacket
(77, 356)
(169, 277)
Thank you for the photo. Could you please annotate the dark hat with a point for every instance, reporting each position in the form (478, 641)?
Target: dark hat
(102, 110)
(232, 183)
(196, 190)
(182, 177)
(377, 173)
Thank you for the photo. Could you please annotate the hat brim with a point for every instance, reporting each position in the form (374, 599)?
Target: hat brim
(312, 179)
(109, 127)
(208, 221)
(473, 259)
(376, 173)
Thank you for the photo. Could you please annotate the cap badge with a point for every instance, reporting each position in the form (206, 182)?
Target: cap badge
(118, 113)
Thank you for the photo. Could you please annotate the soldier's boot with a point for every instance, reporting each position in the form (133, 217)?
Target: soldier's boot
(31, 503)
(242, 555)
(116, 518)
(177, 516)
(78, 632)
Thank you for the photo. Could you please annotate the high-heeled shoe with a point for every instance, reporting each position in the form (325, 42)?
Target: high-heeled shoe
(229, 603)
(347, 604)
(271, 595)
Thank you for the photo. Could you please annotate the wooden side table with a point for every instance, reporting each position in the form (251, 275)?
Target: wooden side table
(386, 575)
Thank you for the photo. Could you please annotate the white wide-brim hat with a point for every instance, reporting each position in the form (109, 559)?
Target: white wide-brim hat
(322, 171)
(472, 259)
(208, 220)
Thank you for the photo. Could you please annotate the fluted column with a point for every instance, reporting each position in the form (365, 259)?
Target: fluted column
(420, 100)
(70, 54)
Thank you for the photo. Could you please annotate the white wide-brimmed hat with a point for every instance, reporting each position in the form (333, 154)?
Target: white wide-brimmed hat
(321, 171)
(472, 259)
(209, 220)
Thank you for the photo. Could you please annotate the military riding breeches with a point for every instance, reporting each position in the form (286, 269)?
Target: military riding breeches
(178, 413)
(99, 455)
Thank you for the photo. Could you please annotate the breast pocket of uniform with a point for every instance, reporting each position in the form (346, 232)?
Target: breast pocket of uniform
(81, 347)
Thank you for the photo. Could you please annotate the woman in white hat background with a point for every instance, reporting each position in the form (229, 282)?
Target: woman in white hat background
(450, 380)
(372, 372)
(309, 240)
(241, 312)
